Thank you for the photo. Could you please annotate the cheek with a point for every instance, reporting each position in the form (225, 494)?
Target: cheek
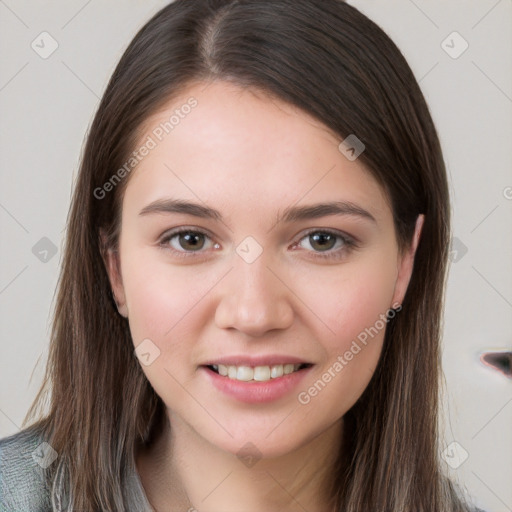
(354, 304)
(154, 305)
(350, 299)
(158, 295)
(162, 307)
(164, 304)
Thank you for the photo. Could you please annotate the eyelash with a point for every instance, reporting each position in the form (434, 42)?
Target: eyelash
(349, 243)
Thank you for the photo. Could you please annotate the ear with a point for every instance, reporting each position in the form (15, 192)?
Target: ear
(113, 266)
(406, 262)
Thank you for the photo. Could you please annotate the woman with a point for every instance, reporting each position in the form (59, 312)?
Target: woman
(248, 315)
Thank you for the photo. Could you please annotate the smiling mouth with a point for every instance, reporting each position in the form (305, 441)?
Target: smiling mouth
(256, 373)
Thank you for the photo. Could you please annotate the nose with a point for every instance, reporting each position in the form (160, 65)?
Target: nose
(254, 299)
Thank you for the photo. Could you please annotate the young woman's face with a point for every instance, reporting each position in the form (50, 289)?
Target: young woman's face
(262, 276)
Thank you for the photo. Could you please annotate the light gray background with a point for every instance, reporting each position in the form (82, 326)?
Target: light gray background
(47, 105)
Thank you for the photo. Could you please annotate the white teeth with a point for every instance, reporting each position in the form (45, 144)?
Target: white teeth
(276, 371)
(288, 368)
(262, 373)
(258, 373)
(244, 373)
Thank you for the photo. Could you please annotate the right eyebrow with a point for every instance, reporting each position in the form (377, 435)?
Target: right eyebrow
(181, 206)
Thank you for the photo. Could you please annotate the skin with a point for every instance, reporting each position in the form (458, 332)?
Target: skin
(250, 157)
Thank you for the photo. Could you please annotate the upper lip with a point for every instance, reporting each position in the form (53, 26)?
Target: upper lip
(263, 360)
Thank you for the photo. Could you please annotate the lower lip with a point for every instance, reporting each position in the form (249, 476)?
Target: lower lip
(255, 392)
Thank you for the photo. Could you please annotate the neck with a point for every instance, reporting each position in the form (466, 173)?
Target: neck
(183, 471)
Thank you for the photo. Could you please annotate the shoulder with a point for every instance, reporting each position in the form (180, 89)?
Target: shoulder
(24, 457)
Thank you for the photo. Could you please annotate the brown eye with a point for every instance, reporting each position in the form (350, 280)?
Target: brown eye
(185, 241)
(327, 244)
(190, 241)
(322, 241)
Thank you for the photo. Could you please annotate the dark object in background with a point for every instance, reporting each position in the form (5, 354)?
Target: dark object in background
(501, 361)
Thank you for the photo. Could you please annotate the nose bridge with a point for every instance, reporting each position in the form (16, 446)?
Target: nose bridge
(253, 299)
(253, 281)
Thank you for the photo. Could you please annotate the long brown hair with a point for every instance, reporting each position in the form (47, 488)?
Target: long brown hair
(337, 65)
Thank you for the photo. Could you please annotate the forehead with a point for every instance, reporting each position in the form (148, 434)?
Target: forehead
(239, 145)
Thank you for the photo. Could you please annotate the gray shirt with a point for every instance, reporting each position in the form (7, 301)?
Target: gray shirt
(23, 488)
(22, 484)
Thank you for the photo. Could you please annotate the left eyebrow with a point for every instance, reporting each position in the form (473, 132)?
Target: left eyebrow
(315, 211)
